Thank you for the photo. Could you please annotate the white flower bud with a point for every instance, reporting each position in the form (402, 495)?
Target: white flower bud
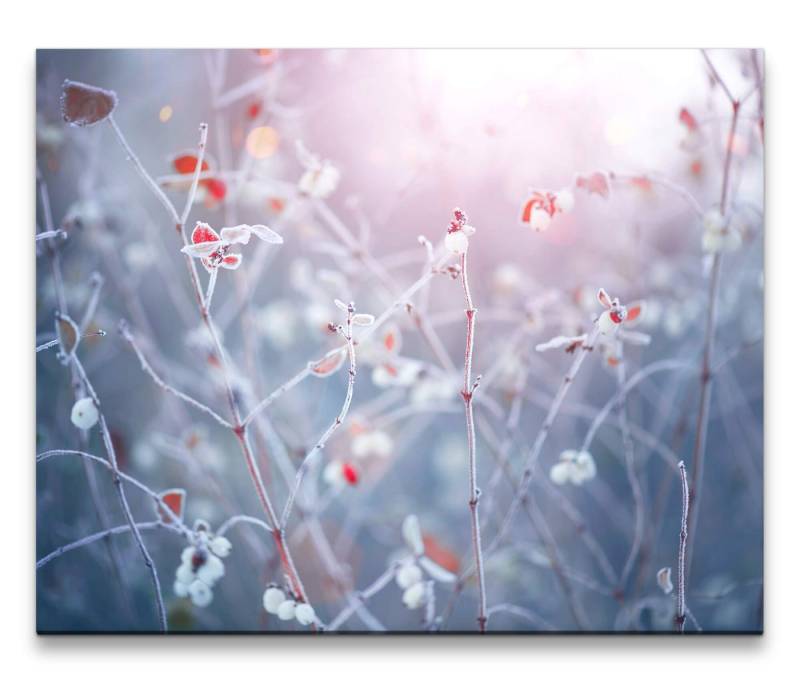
(540, 220)
(200, 593)
(412, 533)
(286, 610)
(416, 596)
(84, 414)
(272, 599)
(304, 613)
(408, 575)
(456, 242)
(220, 546)
(560, 473)
(664, 579)
(565, 200)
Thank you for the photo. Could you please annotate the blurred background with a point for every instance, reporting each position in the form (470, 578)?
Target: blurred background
(413, 134)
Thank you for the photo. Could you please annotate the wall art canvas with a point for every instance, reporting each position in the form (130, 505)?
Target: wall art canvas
(399, 341)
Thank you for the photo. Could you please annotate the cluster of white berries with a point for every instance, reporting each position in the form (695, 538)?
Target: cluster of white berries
(201, 565)
(409, 575)
(84, 414)
(542, 206)
(286, 608)
(458, 233)
(719, 234)
(320, 178)
(575, 467)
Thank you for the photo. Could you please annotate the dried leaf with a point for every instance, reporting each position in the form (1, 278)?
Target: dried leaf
(85, 105)
(327, 365)
(68, 337)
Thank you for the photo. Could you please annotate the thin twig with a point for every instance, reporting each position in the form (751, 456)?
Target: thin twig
(347, 333)
(474, 493)
(147, 368)
(680, 617)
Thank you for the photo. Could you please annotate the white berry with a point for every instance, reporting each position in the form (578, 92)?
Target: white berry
(84, 414)
(273, 598)
(304, 613)
(540, 220)
(408, 575)
(200, 593)
(286, 610)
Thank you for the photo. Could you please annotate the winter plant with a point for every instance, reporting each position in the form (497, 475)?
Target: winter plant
(285, 385)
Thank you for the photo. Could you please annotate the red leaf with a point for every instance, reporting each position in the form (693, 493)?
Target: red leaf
(443, 556)
(174, 499)
(185, 163)
(216, 188)
(85, 105)
(202, 233)
(327, 365)
(688, 120)
(595, 183)
(634, 310)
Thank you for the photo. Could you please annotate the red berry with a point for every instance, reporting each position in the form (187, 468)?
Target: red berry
(350, 474)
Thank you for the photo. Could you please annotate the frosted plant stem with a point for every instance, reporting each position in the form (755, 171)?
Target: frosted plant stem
(347, 332)
(533, 455)
(212, 284)
(54, 256)
(42, 235)
(680, 617)
(147, 368)
(366, 333)
(474, 493)
(149, 181)
(123, 500)
(701, 427)
(93, 538)
(630, 469)
(361, 597)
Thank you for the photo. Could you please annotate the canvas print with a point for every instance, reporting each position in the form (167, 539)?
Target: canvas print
(399, 341)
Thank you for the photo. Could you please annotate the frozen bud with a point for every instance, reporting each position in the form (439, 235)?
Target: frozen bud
(415, 596)
(180, 589)
(565, 200)
(376, 442)
(456, 242)
(560, 473)
(84, 414)
(584, 468)
(184, 573)
(220, 546)
(606, 323)
(286, 610)
(408, 575)
(412, 533)
(273, 598)
(540, 220)
(200, 593)
(304, 613)
(212, 570)
(664, 579)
